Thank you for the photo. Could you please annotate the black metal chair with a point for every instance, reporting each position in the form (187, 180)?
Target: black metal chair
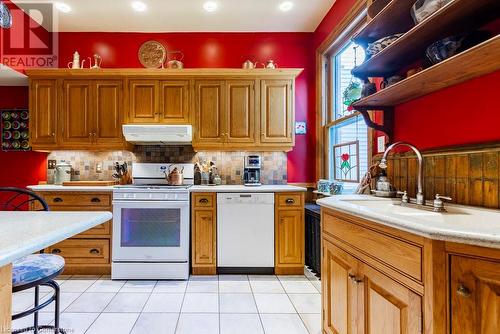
(34, 270)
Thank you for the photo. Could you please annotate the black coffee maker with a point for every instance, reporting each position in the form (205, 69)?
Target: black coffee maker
(251, 172)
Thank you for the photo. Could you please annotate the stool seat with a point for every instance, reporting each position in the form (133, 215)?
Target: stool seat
(36, 267)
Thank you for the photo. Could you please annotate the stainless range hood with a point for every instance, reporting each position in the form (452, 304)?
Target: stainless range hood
(158, 134)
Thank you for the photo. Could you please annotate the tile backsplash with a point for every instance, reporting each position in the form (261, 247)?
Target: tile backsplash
(230, 164)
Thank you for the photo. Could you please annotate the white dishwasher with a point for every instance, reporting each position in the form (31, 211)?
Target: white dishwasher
(245, 233)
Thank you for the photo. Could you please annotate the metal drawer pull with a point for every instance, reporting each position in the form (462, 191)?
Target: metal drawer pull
(290, 201)
(203, 201)
(355, 279)
(95, 200)
(94, 251)
(57, 200)
(463, 291)
(56, 251)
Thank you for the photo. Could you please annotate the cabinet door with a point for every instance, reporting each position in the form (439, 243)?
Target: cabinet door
(43, 112)
(210, 112)
(475, 296)
(276, 111)
(76, 113)
(240, 111)
(204, 241)
(289, 239)
(340, 291)
(389, 307)
(174, 102)
(108, 112)
(143, 96)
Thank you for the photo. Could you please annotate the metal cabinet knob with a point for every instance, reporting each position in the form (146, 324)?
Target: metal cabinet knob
(355, 279)
(290, 201)
(463, 291)
(95, 200)
(57, 200)
(94, 251)
(56, 251)
(203, 201)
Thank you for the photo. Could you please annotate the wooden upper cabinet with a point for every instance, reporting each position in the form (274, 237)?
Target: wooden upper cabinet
(43, 112)
(389, 307)
(240, 111)
(475, 296)
(108, 99)
(143, 101)
(174, 102)
(340, 291)
(209, 112)
(76, 112)
(277, 118)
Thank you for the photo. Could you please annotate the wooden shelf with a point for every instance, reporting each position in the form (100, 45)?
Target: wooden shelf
(393, 19)
(477, 61)
(456, 17)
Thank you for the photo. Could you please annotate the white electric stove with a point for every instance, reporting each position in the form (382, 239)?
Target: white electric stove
(151, 225)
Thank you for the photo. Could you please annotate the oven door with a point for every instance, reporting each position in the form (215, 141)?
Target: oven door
(150, 231)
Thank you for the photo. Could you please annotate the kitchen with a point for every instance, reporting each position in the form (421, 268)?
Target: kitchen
(218, 145)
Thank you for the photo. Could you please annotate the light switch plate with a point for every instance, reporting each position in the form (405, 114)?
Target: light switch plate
(381, 144)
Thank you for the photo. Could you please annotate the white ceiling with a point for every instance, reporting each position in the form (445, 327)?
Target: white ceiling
(189, 16)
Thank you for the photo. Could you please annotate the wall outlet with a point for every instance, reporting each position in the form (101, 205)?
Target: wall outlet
(51, 164)
(381, 144)
(98, 168)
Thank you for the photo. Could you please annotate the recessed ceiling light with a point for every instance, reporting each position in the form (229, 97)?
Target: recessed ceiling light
(139, 6)
(286, 6)
(210, 6)
(62, 7)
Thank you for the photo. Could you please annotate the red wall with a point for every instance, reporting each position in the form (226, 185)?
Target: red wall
(458, 115)
(20, 169)
(218, 50)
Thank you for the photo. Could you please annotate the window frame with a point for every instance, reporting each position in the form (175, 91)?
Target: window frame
(352, 23)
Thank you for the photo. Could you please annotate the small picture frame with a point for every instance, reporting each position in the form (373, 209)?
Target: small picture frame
(300, 128)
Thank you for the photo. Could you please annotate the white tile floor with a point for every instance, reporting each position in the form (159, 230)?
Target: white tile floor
(224, 304)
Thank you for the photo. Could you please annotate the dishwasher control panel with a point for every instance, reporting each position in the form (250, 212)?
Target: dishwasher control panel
(245, 198)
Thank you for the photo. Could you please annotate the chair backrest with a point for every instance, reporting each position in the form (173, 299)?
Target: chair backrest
(17, 199)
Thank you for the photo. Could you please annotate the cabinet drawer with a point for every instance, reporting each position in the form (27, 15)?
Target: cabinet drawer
(81, 199)
(293, 200)
(393, 252)
(203, 200)
(102, 229)
(82, 250)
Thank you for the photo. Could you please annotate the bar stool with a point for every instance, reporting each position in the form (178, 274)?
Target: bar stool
(34, 270)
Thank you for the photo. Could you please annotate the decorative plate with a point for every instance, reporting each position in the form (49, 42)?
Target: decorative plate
(152, 54)
(5, 16)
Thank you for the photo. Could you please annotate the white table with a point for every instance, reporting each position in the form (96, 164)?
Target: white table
(26, 232)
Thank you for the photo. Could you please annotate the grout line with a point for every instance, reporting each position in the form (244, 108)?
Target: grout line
(143, 306)
(256, 306)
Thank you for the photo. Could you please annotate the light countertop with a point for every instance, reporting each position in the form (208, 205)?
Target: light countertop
(242, 188)
(55, 187)
(222, 188)
(462, 224)
(26, 232)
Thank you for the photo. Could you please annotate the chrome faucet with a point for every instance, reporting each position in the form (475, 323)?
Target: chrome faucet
(420, 190)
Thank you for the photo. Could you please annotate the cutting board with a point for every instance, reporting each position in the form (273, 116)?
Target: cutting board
(90, 183)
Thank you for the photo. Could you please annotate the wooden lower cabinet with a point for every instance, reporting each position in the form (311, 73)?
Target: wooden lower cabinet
(371, 285)
(475, 296)
(289, 234)
(88, 253)
(204, 234)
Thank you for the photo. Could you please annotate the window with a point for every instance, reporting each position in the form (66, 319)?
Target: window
(348, 133)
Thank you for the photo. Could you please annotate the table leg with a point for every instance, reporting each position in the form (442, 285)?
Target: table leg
(5, 298)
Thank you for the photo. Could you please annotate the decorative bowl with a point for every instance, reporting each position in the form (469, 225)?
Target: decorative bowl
(422, 9)
(336, 188)
(380, 44)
